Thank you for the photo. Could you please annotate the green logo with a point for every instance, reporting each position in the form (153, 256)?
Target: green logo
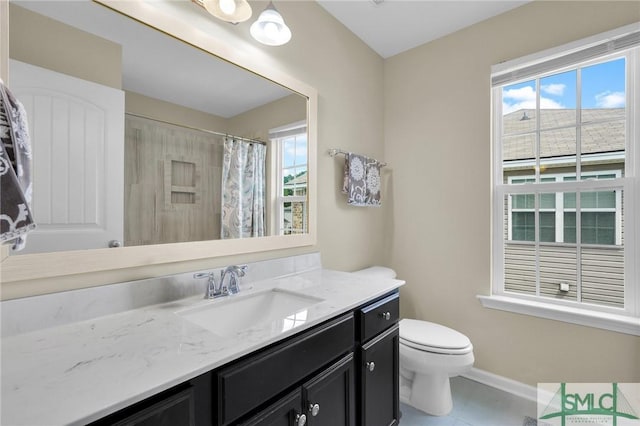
(583, 406)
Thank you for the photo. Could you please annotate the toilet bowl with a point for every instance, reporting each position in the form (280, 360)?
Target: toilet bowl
(430, 354)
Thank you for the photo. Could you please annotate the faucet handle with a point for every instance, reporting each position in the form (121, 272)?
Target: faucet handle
(211, 289)
(241, 270)
(201, 275)
(235, 273)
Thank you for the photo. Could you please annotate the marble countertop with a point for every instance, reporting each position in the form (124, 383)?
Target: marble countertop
(79, 372)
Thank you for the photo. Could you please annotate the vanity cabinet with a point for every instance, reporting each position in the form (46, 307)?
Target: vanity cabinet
(343, 372)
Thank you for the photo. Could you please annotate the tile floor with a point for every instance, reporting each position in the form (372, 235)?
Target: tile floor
(475, 404)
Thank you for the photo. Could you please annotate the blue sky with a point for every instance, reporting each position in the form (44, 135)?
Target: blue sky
(603, 86)
(295, 154)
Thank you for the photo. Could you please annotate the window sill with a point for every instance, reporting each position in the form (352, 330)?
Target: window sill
(606, 321)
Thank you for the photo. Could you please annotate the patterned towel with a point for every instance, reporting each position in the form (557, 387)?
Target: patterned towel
(361, 181)
(15, 171)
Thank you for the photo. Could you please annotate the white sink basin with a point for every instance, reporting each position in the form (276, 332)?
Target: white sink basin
(279, 309)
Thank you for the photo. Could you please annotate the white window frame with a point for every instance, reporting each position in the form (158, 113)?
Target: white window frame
(559, 210)
(625, 320)
(277, 136)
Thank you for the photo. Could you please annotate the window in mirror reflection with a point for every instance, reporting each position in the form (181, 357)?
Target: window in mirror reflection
(291, 146)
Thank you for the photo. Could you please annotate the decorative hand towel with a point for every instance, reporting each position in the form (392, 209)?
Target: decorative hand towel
(355, 184)
(361, 181)
(372, 197)
(15, 171)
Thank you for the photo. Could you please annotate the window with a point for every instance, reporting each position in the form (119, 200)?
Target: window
(601, 213)
(291, 166)
(565, 130)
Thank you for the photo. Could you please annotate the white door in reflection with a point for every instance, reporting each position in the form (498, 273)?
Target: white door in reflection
(77, 136)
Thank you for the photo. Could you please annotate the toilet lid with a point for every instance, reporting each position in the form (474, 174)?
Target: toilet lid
(433, 337)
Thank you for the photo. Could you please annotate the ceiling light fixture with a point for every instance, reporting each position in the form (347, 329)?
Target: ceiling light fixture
(270, 28)
(233, 11)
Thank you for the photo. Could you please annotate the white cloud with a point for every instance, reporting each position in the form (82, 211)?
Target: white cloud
(525, 98)
(546, 103)
(525, 93)
(554, 89)
(509, 108)
(610, 99)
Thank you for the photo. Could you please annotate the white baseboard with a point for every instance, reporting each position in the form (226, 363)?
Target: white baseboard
(500, 382)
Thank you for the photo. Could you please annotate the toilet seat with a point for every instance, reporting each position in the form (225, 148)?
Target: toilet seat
(430, 337)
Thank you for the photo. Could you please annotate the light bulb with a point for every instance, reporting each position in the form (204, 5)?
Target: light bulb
(271, 30)
(228, 7)
(233, 11)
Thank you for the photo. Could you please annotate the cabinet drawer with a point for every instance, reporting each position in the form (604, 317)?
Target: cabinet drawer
(177, 409)
(253, 381)
(172, 407)
(378, 316)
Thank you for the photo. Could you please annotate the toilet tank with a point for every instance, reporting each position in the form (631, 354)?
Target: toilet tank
(377, 272)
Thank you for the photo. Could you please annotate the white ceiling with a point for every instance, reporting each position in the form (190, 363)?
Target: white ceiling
(393, 26)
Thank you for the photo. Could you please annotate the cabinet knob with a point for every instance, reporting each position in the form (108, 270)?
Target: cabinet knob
(371, 366)
(385, 315)
(301, 419)
(314, 409)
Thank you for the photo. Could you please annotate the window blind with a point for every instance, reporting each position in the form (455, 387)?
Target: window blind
(608, 46)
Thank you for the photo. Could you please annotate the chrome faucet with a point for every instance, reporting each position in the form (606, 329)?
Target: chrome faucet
(212, 290)
(234, 273)
(217, 288)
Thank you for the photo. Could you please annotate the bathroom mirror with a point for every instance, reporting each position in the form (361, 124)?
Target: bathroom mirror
(163, 99)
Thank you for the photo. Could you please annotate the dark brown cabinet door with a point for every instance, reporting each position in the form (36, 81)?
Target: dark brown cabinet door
(177, 409)
(329, 398)
(379, 380)
(285, 412)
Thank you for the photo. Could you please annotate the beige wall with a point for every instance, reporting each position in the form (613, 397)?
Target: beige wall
(71, 51)
(350, 117)
(349, 80)
(257, 122)
(4, 39)
(437, 138)
(136, 103)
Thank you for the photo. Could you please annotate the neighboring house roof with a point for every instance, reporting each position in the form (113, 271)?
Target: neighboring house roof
(298, 181)
(603, 130)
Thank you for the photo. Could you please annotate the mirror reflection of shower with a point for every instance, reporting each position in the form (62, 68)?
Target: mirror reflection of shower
(186, 184)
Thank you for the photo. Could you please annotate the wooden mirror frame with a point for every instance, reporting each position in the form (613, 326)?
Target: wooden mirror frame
(56, 264)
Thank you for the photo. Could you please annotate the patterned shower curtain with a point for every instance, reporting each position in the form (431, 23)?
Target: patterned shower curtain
(243, 189)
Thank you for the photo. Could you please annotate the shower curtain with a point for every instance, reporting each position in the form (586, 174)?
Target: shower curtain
(243, 189)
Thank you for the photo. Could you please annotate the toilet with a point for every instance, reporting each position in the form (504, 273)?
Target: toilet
(430, 354)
